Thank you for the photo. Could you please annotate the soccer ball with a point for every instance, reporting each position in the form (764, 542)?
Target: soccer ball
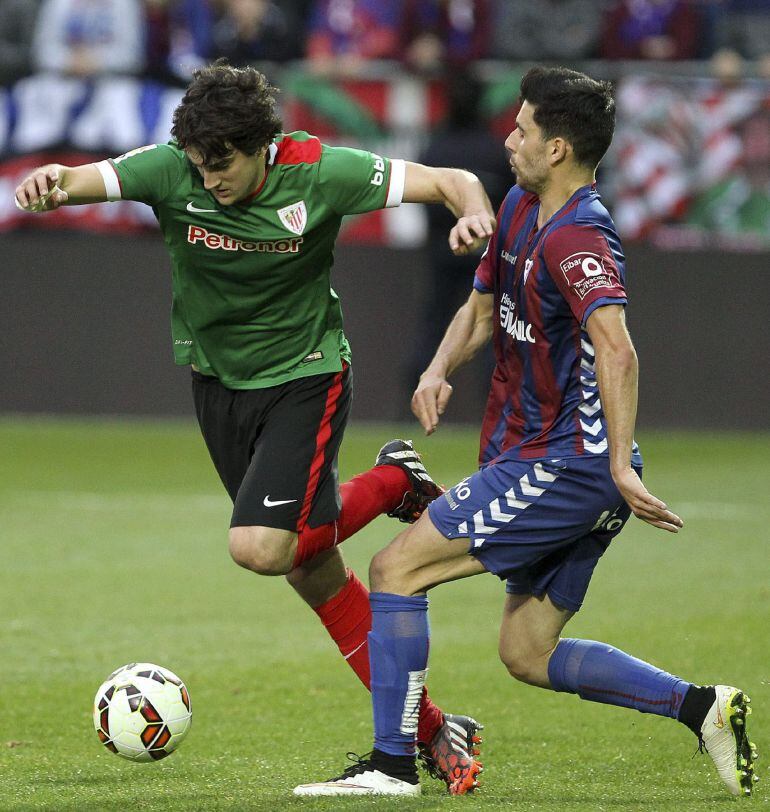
(142, 712)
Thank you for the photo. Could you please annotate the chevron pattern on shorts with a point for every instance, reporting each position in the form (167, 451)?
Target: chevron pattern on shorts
(501, 511)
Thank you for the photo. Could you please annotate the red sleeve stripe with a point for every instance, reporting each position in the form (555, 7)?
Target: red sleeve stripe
(298, 152)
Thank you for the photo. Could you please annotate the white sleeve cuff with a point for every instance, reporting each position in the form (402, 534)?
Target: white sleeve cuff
(110, 178)
(396, 186)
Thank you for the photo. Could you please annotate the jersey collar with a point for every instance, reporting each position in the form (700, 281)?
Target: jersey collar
(272, 151)
(578, 194)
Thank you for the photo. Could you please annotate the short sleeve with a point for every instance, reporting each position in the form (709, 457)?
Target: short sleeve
(147, 174)
(354, 181)
(484, 281)
(585, 270)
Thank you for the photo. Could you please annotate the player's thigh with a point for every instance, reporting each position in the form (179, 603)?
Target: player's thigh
(420, 558)
(292, 478)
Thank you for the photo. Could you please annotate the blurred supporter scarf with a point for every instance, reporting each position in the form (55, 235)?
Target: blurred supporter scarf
(646, 18)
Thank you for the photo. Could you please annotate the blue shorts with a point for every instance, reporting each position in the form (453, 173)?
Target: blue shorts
(540, 524)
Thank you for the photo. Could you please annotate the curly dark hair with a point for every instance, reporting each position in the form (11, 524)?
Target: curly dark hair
(572, 106)
(226, 108)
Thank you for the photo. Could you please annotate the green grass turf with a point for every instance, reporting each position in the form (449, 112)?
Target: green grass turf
(113, 550)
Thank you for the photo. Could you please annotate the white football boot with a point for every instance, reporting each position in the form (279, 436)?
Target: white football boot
(360, 778)
(723, 735)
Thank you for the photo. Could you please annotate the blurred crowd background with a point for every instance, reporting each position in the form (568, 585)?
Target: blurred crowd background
(687, 178)
(167, 39)
(435, 80)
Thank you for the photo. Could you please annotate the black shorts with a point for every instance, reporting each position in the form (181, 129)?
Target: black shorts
(275, 449)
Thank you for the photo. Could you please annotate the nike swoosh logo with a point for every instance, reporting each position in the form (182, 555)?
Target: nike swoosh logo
(191, 207)
(268, 502)
(719, 721)
(359, 646)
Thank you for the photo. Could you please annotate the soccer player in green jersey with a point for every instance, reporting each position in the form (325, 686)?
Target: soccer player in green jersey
(250, 217)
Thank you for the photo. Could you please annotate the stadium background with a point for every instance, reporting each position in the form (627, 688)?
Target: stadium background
(106, 520)
(687, 180)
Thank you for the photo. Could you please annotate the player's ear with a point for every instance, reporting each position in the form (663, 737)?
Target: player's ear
(558, 151)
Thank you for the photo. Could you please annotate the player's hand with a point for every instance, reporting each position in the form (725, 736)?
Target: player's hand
(39, 191)
(471, 233)
(644, 505)
(430, 400)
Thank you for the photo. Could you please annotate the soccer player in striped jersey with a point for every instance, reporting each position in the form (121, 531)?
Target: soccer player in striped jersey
(559, 472)
(250, 217)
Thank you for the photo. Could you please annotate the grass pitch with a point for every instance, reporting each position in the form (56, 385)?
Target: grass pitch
(113, 549)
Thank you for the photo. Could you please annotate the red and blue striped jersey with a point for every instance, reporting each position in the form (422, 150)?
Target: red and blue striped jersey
(544, 397)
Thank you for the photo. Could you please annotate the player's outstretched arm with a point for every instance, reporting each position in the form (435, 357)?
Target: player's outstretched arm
(468, 331)
(48, 187)
(462, 193)
(617, 371)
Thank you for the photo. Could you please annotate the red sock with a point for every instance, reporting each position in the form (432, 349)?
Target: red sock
(364, 498)
(431, 719)
(348, 619)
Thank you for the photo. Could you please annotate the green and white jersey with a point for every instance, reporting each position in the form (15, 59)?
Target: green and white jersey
(252, 297)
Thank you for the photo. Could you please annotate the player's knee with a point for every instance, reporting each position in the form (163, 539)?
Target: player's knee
(260, 550)
(390, 571)
(520, 668)
(378, 570)
(520, 662)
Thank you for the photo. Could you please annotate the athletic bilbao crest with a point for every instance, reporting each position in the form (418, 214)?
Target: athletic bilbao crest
(294, 217)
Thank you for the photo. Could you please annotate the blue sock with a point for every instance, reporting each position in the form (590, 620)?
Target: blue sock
(398, 656)
(601, 673)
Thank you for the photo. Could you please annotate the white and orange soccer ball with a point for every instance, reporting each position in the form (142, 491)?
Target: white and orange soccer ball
(142, 712)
